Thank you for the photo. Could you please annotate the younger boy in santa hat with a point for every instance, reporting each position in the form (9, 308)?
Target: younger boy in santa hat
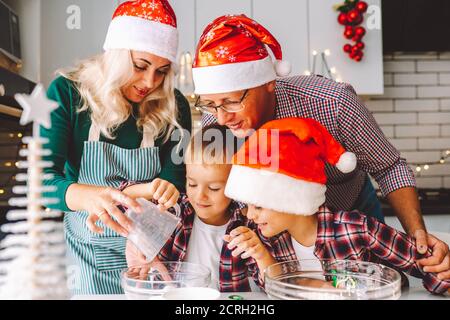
(207, 216)
(286, 198)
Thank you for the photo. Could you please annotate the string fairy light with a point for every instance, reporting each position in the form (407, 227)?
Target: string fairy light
(326, 71)
(421, 167)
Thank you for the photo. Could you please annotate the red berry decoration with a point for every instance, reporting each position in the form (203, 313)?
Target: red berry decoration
(348, 48)
(353, 54)
(351, 15)
(361, 6)
(349, 32)
(360, 31)
(354, 17)
(359, 56)
(342, 18)
(357, 38)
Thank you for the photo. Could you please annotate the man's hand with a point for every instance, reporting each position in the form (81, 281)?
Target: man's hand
(439, 262)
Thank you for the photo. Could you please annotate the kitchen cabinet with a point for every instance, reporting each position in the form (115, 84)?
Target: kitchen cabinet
(63, 42)
(300, 26)
(290, 29)
(325, 33)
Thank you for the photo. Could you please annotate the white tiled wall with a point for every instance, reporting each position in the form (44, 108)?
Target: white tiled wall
(414, 112)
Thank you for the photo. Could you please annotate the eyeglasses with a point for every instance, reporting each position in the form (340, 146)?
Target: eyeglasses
(230, 106)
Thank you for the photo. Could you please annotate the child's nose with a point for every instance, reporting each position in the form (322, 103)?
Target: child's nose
(251, 213)
(202, 195)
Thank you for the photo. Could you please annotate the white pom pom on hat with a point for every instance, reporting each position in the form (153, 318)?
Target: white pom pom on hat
(283, 68)
(347, 162)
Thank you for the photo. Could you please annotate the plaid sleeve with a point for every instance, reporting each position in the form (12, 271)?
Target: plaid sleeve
(165, 253)
(255, 273)
(253, 269)
(360, 134)
(208, 119)
(170, 250)
(400, 251)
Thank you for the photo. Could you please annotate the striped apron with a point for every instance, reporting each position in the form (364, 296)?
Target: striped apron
(96, 260)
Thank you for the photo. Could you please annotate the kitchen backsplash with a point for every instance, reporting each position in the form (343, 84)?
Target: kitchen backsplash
(414, 112)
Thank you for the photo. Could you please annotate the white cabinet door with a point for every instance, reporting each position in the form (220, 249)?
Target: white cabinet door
(326, 33)
(288, 22)
(62, 46)
(185, 12)
(208, 10)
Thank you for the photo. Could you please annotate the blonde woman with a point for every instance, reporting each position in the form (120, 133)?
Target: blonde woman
(117, 112)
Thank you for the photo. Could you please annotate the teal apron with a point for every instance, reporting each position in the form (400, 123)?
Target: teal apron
(96, 260)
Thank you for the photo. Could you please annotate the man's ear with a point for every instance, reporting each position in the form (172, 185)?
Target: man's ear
(271, 86)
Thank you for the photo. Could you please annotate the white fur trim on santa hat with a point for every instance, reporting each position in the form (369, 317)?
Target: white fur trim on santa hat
(274, 191)
(134, 33)
(233, 76)
(347, 162)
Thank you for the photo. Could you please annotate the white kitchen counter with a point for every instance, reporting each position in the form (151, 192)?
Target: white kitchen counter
(415, 292)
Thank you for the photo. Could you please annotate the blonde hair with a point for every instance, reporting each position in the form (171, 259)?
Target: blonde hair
(99, 81)
(211, 145)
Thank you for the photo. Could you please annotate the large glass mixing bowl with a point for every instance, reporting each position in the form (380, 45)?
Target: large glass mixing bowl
(153, 280)
(332, 280)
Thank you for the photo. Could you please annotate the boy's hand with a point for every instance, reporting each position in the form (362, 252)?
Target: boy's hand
(162, 191)
(139, 267)
(246, 243)
(165, 193)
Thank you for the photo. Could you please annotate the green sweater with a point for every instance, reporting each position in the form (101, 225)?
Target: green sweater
(70, 129)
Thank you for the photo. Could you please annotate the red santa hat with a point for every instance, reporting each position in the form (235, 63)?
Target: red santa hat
(232, 56)
(144, 25)
(299, 148)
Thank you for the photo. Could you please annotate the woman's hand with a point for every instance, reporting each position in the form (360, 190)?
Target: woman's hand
(101, 204)
(162, 191)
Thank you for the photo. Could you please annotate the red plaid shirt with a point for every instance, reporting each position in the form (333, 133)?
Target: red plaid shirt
(353, 236)
(233, 271)
(337, 107)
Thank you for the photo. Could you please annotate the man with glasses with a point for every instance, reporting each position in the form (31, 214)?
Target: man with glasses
(237, 86)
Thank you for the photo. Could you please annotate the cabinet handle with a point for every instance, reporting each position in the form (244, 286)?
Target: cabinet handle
(2, 90)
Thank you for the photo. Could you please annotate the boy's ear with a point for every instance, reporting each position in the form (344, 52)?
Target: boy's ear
(271, 86)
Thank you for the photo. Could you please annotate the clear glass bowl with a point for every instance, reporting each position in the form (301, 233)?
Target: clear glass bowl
(332, 280)
(153, 280)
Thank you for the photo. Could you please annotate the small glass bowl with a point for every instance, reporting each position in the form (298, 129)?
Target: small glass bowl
(332, 280)
(151, 281)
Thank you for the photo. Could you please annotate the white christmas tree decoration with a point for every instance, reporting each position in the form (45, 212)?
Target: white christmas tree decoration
(32, 255)
(36, 107)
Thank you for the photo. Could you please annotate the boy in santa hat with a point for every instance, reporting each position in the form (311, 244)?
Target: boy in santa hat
(240, 86)
(287, 202)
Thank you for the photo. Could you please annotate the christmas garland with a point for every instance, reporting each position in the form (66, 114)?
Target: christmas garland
(351, 16)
